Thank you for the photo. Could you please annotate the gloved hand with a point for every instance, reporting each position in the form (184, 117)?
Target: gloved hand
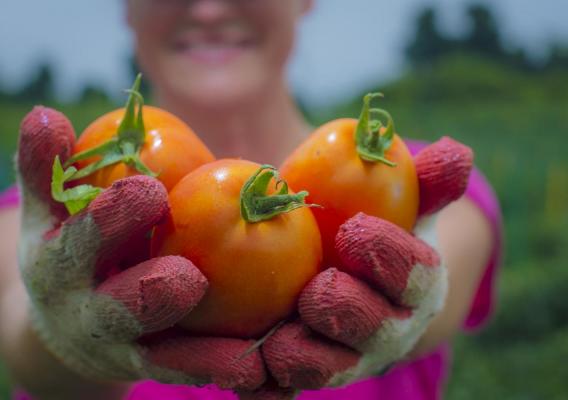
(94, 304)
(357, 321)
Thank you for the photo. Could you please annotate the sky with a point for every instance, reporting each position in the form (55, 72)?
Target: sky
(344, 45)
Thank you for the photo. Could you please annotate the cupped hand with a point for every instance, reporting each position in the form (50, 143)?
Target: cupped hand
(98, 303)
(358, 320)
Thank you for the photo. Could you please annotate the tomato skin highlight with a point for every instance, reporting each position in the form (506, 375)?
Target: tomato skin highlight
(256, 271)
(328, 166)
(171, 148)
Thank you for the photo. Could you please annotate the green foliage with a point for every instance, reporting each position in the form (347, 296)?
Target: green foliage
(40, 87)
(92, 93)
(471, 78)
(558, 59)
(522, 353)
(428, 44)
(4, 383)
(451, 78)
(483, 39)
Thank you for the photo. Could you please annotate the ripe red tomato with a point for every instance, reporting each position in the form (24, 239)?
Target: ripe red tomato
(350, 166)
(170, 149)
(133, 140)
(256, 270)
(136, 139)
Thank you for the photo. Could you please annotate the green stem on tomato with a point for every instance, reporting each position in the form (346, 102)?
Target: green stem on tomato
(257, 205)
(75, 199)
(125, 146)
(371, 144)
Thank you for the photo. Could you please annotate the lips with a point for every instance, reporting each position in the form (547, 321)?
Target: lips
(213, 48)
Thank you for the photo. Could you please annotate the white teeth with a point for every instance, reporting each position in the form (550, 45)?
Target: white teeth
(198, 41)
(212, 46)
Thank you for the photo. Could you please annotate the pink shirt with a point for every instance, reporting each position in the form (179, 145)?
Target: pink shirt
(421, 379)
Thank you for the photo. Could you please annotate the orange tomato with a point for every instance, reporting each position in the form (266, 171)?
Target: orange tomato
(256, 271)
(171, 149)
(329, 166)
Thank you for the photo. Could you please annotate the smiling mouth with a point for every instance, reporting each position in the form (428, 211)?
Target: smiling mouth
(212, 50)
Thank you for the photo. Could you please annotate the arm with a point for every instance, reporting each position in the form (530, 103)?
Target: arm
(9, 231)
(29, 363)
(466, 253)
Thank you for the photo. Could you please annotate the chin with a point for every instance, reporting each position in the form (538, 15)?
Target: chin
(217, 91)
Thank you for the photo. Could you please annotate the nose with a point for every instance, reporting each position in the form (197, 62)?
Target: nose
(207, 11)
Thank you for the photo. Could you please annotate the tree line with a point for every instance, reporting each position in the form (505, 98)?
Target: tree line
(484, 39)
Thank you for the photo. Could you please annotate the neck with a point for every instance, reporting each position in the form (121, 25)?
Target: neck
(265, 129)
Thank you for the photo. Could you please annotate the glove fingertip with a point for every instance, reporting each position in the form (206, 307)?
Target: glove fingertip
(297, 358)
(123, 216)
(158, 292)
(443, 170)
(383, 255)
(226, 362)
(140, 199)
(346, 309)
(44, 134)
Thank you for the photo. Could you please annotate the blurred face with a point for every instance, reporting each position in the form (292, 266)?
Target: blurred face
(214, 52)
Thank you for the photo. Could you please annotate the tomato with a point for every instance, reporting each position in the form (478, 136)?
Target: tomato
(136, 139)
(256, 270)
(350, 166)
(171, 148)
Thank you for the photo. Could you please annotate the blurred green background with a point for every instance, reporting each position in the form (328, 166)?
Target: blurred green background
(514, 113)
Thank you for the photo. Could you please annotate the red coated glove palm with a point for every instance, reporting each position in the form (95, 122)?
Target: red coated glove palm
(357, 321)
(89, 305)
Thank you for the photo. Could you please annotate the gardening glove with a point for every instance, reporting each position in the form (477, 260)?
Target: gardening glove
(96, 303)
(358, 320)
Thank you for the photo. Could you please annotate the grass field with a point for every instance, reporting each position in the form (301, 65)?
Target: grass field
(520, 143)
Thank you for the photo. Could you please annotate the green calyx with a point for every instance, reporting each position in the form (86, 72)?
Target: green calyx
(257, 205)
(125, 146)
(371, 143)
(75, 199)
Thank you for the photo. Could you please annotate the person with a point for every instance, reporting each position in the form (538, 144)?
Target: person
(220, 66)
